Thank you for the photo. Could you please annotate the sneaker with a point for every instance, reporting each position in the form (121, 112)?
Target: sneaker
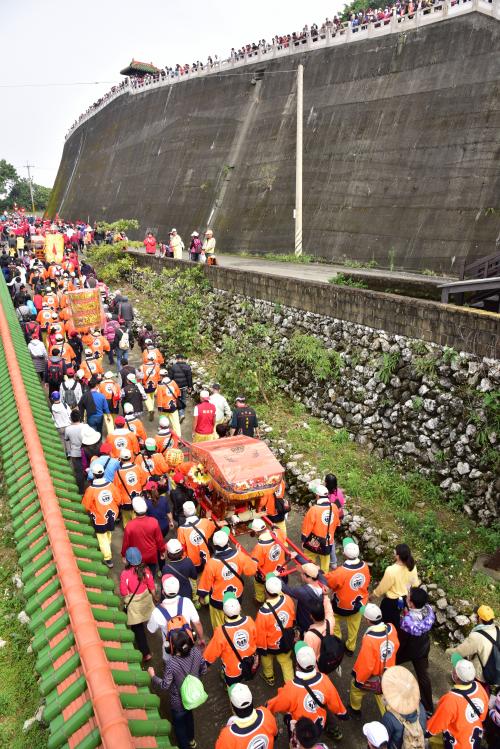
(109, 563)
(268, 679)
(192, 744)
(181, 417)
(334, 732)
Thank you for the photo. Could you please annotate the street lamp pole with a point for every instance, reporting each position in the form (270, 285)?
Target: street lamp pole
(298, 161)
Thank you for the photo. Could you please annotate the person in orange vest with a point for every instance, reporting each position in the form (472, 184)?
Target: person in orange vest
(223, 573)
(269, 555)
(310, 694)
(349, 583)
(165, 438)
(249, 727)
(130, 479)
(111, 391)
(153, 462)
(318, 529)
(90, 365)
(151, 353)
(274, 622)
(55, 326)
(204, 417)
(102, 502)
(234, 642)
(50, 298)
(65, 350)
(194, 535)
(167, 396)
(150, 381)
(122, 438)
(461, 712)
(133, 423)
(44, 318)
(96, 342)
(379, 646)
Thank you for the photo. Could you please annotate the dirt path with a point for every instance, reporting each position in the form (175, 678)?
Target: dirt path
(212, 716)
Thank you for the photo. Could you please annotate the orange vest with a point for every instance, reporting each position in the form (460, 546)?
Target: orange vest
(120, 440)
(457, 720)
(259, 734)
(91, 367)
(349, 583)
(51, 299)
(151, 376)
(243, 636)
(294, 699)
(67, 352)
(154, 464)
(158, 356)
(136, 426)
(379, 646)
(166, 396)
(193, 543)
(218, 578)
(44, 318)
(128, 479)
(316, 521)
(102, 502)
(268, 630)
(98, 343)
(269, 555)
(165, 441)
(110, 390)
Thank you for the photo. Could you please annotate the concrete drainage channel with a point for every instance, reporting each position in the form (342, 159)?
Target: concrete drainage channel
(95, 692)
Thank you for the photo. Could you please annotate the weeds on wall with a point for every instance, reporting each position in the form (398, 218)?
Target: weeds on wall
(310, 352)
(342, 280)
(388, 366)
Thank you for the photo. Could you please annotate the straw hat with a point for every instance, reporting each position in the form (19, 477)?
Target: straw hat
(400, 690)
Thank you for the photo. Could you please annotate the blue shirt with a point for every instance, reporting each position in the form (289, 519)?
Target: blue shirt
(101, 404)
(111, 465)
(184, 570)
(160, 511)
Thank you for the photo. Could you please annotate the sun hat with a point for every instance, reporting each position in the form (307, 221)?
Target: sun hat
(89, 436)
(189, 509)
(376, 733)
(273, 584)
(400, 690)
(258, 525)
(304, 655)
(220, 539)
(230, 605)
(311, 570)
(170, 585)
(139, 505)
(486, 613)
(240, 696)
(133, 556)
(174, 546)
(463, 668)
(371, 612)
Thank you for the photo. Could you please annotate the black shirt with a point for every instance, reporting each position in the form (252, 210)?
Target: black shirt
(244, 421)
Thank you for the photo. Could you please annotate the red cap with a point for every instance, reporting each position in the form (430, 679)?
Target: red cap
(120, 421)
(178, 477)
(151, 485)
(105, 448)
(70, 372)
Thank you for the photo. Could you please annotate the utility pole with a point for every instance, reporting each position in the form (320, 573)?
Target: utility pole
(28, 167)
(298, 161)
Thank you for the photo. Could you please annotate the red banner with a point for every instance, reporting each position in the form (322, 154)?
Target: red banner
(86, 309)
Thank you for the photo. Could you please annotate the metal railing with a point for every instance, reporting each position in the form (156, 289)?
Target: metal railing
(308, 41)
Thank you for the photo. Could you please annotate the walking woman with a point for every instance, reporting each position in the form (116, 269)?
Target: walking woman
(185, 659)
(137, 586)
(397, 580)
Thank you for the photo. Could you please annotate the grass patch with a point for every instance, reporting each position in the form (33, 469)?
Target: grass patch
(310, 352)
(19, 697)
(342, 280)
(288, 258)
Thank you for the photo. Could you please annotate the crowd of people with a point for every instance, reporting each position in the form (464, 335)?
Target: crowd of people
(121, 416)
(202, 251)
(330, 26)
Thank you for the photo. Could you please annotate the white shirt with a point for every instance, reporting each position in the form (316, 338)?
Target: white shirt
(158, 622)
(61, 415)
(222, 409)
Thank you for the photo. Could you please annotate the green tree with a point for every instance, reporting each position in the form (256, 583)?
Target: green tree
(8, 177)
(20, 194)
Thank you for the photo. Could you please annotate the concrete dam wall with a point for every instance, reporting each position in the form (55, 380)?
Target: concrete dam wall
(401, 152)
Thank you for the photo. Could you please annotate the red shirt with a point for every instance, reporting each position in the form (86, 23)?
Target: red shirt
(150, 244)
(205, 417)
(144, 533)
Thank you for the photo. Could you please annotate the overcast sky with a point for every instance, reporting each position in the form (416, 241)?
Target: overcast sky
(68, 41)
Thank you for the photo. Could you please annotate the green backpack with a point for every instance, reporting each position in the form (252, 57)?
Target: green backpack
(192, 692)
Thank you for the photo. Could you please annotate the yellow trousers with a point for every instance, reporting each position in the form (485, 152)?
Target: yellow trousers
(260, 591)
(174, 422)
(281, 526)
(286, 665)
(352, 623)
(127, 515)
(217, 617)
(202, 437)
(324, 560)
(150, 401)
(104, 541)
(436, 742)
(357, 695)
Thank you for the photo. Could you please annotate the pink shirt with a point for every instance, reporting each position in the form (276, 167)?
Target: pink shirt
(337, 497)
(129, 580)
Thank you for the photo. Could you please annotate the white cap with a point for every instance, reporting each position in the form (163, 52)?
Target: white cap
(376, 733)
(305, 656)
(128, 408)
(189, 509)
(88, 352)
(351, 551)
(371, 612)
(131, 377)
(151, 356)
(465, 671)
(273, 585)
(97, 469)
(164, 422)
(170, 585)
(125, 454)
(204, 394)
(174, 546)
(109, 375)
(231, 607)
(89, 435)
(240, 696)
(321, 491)
(139, 505)
(221, 539)
(150, 442)
(258, 525)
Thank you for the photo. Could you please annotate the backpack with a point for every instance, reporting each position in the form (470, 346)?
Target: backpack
(331, 650)
(192, 692)
(124, 343)
(23, 313)
(491, 669)
(174, 623)
(29, 328)
(55, 371)
(413, 735)
(69, 396)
